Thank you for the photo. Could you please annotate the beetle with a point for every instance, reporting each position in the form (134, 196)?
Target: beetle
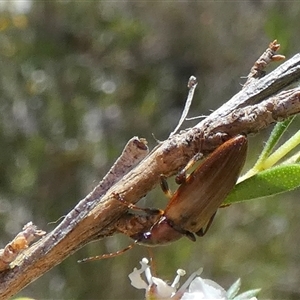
(192, 207)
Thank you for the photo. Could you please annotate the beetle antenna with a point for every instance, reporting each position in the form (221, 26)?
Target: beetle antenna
(109, 255)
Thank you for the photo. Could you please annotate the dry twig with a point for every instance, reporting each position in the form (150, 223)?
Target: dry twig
(258, 69)
(21, 242)
(192, 84)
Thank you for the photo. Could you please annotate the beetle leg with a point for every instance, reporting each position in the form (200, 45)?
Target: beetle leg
(203, 230)
(108, 255)
(149, 211)
(224, 205)
(190, 236)
(165, 187)
(187, 233)
(181, 176)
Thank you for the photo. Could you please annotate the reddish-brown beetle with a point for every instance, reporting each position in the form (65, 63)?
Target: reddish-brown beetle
(193, 206)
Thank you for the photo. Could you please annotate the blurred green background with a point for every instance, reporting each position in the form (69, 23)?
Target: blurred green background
(79, 78)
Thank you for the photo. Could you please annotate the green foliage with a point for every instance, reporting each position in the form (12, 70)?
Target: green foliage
(270, 182)
(265, 180)
(277, 133)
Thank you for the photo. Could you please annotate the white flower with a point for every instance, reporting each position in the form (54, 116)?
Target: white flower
(204, 289)
(156, 287)
(194, 288)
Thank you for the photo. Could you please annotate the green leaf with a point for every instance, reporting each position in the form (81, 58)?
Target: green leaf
(273, 181)
(275, 136)
(284, 149)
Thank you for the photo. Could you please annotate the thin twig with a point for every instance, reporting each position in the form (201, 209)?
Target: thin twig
(258, 69)
(192, 84)
(21, 242)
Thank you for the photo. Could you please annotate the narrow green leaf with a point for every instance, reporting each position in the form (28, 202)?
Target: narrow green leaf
(276, 134)
(273, 181)
(287, 147)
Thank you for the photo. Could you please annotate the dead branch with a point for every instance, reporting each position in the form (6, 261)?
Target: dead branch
(255, 107)
(258, 69)
(21, 242)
